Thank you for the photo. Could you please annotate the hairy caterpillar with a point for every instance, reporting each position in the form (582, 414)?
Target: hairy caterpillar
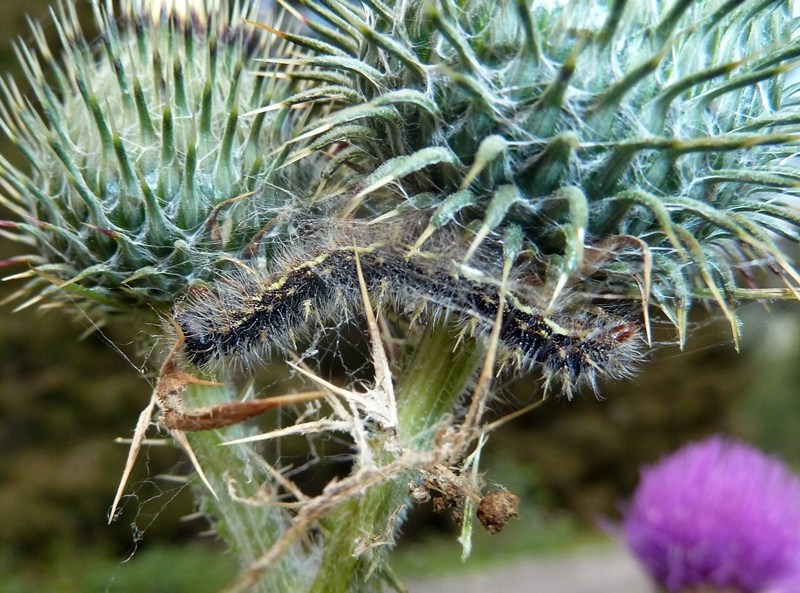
(248, 312)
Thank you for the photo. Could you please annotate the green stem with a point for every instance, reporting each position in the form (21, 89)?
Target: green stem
(432, 383)
(249, 530)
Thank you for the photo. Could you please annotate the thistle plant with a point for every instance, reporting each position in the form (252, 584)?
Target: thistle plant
(498, 187)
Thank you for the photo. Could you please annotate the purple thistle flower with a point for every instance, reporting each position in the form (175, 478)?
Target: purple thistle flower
(790, 584)
(718, 514)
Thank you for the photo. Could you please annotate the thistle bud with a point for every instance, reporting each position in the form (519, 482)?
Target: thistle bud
(142, 171)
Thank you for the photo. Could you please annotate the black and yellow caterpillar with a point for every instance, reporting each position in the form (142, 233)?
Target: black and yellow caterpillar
(248, 313)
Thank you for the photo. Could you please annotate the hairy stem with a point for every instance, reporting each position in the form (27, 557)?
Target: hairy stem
(358, 532)
(430, 386)
(237, 475)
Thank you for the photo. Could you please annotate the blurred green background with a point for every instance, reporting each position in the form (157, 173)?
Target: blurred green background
(64, 399)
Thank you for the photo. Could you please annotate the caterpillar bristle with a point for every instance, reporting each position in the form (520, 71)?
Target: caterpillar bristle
(248, 314)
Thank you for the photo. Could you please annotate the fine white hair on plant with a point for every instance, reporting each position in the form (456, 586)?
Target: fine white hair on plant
(545, 177)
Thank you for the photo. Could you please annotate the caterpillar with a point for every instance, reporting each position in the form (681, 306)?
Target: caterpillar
(248, 312)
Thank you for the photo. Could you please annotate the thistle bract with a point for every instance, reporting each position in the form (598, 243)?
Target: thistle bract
(717, 514)
(641, 153)
(642, 149)
(143, 174)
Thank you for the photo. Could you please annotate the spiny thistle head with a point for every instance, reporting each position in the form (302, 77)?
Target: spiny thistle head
(717, 514)
(632, 151)
(143, 173)
(642, 148)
